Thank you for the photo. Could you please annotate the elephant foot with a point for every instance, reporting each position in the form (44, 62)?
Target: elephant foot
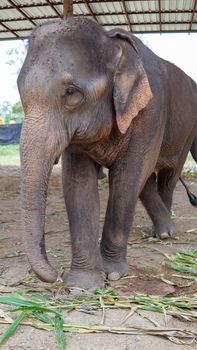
(89, 280)
(165, 230)
(115, 269)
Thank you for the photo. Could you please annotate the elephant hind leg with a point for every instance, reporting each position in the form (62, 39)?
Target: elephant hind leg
(194, 148)
(168, 177)
(167, 180)
(163, 226)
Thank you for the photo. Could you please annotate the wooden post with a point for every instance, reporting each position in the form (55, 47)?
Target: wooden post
(68, 8)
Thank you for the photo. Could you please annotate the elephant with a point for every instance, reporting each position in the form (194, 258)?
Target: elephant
(100, 98)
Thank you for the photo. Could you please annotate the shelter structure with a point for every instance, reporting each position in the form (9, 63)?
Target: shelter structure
(19, 17)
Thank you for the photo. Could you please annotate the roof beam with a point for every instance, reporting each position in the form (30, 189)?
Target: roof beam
(193, 13)
(24, 10)
(111, 25)
(136, 32)
(53, 8)
(126, 14)
(97, 15)
(24, 19)
(87, 5)
(160, 22)
(23, 6)
(59, 3)
(8, 30)
(21, 11)
(33, 5)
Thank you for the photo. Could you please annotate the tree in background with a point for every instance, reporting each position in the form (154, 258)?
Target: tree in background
(5, 110)
(17, 113)
(10, 114)
(17, 55)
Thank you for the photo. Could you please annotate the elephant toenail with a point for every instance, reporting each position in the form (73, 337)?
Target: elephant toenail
(164, 235)
(114, 276)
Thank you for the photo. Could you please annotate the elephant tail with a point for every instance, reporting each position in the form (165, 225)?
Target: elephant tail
(191, 196)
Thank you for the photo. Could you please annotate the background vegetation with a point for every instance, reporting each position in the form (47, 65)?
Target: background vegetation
(9, 155)
(10, 112)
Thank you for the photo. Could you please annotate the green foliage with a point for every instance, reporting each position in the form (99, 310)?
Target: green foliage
(10, 150)
(185, 262)
(104, 182)
(5, 109)
(17, 108)
(59, 331)
(16, 113)
(12, 328)
(35, 308)
(44, 313)
(9, 155)
(105, 292)
(16, 55)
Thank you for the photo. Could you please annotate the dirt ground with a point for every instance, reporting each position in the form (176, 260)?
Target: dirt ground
(145, 269)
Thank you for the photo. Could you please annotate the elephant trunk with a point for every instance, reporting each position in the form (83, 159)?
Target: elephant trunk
(39, 149)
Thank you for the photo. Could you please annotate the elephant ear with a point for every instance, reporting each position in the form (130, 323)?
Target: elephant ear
(131, 91)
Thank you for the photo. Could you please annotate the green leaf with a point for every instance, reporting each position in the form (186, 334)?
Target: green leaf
(12, 328)
(59, 331)
(40, 316)
(105, 292)
(26, 305)
(37, 295)
(19, 302)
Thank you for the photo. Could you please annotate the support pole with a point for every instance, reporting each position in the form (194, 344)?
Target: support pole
(68, 8)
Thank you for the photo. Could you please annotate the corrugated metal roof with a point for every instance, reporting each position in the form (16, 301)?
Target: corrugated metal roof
(18, 17)
(4, 2)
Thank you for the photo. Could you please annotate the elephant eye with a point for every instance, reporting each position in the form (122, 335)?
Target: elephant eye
(73, 96)
(70, 90)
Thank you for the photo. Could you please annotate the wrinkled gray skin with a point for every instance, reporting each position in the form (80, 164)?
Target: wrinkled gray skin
(100, 98)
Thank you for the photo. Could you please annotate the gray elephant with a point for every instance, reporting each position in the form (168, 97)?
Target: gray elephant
(100, 99)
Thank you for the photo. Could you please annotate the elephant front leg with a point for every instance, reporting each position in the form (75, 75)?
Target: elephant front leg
(80, 184)
(124, 189)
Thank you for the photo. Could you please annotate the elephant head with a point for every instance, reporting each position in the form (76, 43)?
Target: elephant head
(77, 83)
